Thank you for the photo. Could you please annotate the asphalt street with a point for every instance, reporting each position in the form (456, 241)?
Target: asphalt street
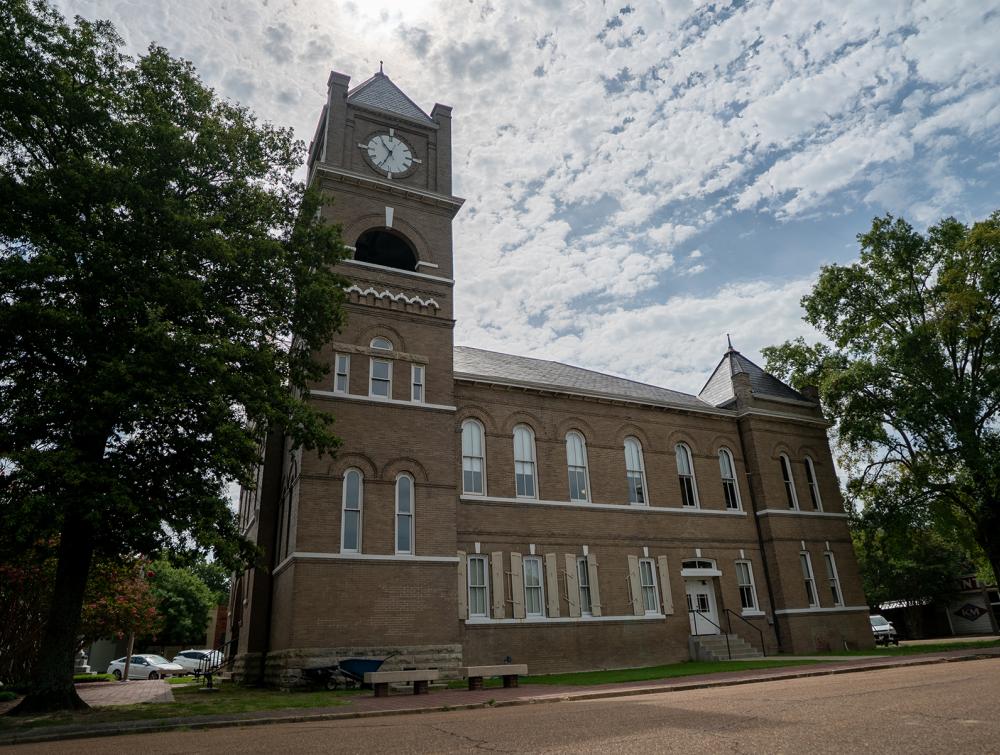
(950, 707)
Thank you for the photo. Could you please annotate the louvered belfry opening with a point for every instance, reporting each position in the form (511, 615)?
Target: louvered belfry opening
(380, 246)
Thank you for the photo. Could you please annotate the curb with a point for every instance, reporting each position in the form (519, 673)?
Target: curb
(152, 727)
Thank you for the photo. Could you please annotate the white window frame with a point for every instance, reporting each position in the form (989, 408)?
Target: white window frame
(409, 515)
(643, 587)
(583, 584)
(641, 472)
(344, 510)
(485, 587)
(833, 578)
(540, 587)
(685, 449)
(387, 347)
(813, 484)
(482, 459)
(533, 462)
(417, 371)
(809, 579)
(337, 373)
(788, 481)
(751, 585)
(372, 379)
(728, 455)
(585, 466)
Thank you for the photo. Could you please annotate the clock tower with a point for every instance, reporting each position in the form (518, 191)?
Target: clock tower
(362, 547)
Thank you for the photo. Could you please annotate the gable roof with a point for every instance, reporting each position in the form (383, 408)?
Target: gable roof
(380, 93)
(542, 373)
(718, 391)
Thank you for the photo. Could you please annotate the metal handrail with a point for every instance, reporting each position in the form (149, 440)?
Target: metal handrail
(729, 650)
(730, 612)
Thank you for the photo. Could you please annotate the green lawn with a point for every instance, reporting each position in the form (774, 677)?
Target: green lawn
(191, 701)
(648, 673)
(936, 647)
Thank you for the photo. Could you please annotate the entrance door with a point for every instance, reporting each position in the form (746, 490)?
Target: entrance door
(701, 606)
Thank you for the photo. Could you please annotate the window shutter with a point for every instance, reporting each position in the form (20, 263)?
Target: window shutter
(499, 592)
(517, 585)
(463, 586)
(552, 583)
(595, 592)
(635, 586)
(668, 599)
(572, 588)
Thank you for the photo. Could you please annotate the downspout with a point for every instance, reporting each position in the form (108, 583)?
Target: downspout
(760, 540)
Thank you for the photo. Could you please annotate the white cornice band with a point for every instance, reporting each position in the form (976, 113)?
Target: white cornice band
(388, 557)
(481, 621)
(635, 509)
(799, 512)
(821, 609)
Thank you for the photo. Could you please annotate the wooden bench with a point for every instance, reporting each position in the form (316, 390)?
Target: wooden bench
(509, 672)
(381, 680)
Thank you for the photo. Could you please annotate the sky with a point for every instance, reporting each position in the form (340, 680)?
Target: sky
(641, 178)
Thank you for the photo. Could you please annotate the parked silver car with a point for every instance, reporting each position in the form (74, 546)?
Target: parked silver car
(145, 667)
(883, 630)
(196, 661)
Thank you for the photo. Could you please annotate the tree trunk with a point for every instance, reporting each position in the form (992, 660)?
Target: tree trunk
(52, 686)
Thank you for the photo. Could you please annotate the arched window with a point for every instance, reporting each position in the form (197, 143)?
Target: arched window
(635, 472)
(786, 476)
(381, 246)
(730, 490)
(524, 462)
(685, 473)
(576, 463)
(381, 343)
(404, 514)
(473, 458)
(817, 502)
(350, 526)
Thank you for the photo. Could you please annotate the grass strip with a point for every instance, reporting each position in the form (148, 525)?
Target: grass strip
(189, 701)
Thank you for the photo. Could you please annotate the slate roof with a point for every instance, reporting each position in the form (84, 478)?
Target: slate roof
(718, 391)
(380, 93)
(542, 373)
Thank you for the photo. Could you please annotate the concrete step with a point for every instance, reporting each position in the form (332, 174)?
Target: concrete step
(716, 648)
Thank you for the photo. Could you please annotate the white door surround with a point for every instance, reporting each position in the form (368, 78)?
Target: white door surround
(700, 593)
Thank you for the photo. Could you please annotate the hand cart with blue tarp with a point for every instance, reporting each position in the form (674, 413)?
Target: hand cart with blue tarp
(348, 672)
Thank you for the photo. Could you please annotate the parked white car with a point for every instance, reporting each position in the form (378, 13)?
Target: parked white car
(198, 660)
(145, 667)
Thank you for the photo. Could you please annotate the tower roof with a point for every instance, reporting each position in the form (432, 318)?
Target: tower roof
(380, 93)
(719, 391)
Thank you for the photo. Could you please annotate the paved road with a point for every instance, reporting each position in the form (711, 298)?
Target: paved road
(930, 709)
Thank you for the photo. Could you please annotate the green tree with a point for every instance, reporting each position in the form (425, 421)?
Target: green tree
(904, 556)
(117, 600)
(184, 602)
(911, 371)
(156, 254)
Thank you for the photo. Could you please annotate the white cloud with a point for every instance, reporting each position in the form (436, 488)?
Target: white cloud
(590, 152)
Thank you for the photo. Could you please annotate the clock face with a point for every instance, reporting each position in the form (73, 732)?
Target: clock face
(389, 153)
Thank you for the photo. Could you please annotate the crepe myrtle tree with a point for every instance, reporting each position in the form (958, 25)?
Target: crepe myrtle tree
(156, 256)
(910, 371)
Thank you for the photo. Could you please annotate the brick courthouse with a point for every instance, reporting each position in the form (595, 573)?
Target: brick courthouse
(486, 506)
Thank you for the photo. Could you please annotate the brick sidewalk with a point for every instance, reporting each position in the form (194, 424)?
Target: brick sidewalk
(367, 705)
(101, 694)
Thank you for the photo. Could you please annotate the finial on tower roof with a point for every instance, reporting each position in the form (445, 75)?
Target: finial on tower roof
(380, 67)
(730, 342)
